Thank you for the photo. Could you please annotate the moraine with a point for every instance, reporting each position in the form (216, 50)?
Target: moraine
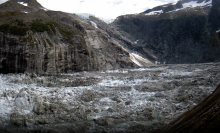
(128, 100)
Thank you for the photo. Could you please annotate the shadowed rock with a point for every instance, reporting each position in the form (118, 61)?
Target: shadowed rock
(175, 34)
(204, 118)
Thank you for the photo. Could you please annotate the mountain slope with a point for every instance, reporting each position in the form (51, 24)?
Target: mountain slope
(185, 32)
(21, 5)
(48, 42)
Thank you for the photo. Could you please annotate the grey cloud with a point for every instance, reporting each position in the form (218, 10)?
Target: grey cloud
(2, 1)
(171, 1)
(117, 2)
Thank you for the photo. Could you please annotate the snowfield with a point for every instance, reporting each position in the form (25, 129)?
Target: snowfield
(191, 4)
(115, 100)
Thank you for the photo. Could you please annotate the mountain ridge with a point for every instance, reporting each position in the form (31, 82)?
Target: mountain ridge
(49, 42)
(181, 36)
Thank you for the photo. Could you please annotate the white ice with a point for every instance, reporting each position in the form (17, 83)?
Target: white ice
(195, 4)
(191, 4)
(154, 12)
(94, 24)
(132, 57)
(84, 15)
(136, 42)
(22, 3)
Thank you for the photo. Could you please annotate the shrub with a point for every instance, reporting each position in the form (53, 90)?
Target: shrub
(14, 30)
(5, 28)
(39, 26)
(20, 31)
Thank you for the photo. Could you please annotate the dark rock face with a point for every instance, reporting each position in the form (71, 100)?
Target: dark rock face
(48, 42)
(204, 118)
(166, 8)
(13, 5)
(185, 36)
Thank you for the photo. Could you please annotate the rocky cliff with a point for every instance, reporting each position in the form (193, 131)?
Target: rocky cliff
(185, 32)
(49, 42)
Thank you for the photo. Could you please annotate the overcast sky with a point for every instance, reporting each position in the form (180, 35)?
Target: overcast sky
(108, 9)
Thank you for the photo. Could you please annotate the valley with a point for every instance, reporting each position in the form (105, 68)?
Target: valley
(65, 73)
(123, 100)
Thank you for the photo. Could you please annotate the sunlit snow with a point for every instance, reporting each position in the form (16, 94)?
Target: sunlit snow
(24, 4)
(94, 24)
(195, 4)
(132, 57)
(191, 4)
(154, 12)
(25, 12)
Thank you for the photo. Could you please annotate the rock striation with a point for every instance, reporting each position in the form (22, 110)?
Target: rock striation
(49, 42)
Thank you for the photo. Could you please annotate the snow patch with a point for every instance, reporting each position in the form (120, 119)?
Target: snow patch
(117, 82)
(195, 4)
(117, 71)
(154, 12)
(22, 3)
(176, 73)
(94, 24)
(106, 99)
(191, 4)
(132, 57)
(218, 31)
(25, 12)
(138, 60)
(45, 9)
(108, 21)
(136, 42)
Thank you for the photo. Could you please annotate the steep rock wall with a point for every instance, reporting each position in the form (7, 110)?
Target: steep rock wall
(41, 54)
(47, 42)
(184, 36)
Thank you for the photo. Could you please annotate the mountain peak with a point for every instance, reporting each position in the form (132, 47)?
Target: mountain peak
(21, 6)
(30, 3)
(181, 4)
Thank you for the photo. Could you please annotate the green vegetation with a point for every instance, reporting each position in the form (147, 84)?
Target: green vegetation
(68, 31)
(20, 31)
(14, 30)
(190, 13)
(49, 42)
(5, 28)
(164, 16)
(39, 26)
(18, 27)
